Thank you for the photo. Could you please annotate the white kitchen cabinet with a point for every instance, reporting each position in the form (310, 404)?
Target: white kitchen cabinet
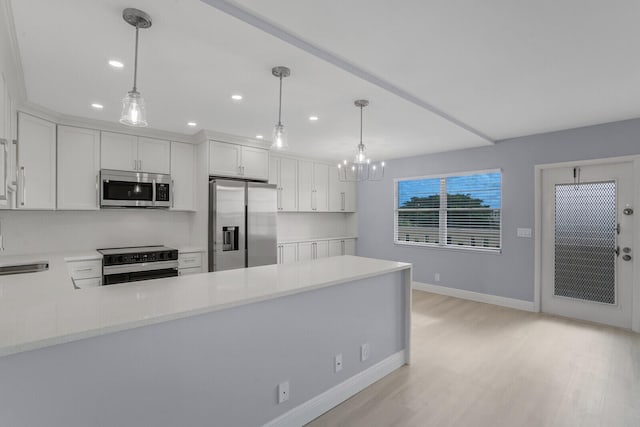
(5, 141)
(342, 195)
(86, 273)
(124, 152)
(235, 160)
(154, 155)
(338, 247)
(183, 176)
(119, 151)
(283, 172)
(287, 253)
(313, 187)
(190, 263)
(313, 250)
(322, 249)
(78, 168)
(255, 163)
(37, 163)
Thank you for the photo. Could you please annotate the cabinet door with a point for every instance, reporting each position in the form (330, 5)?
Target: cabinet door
(119, 151)
(255, 163)
(289, 253)
(322, 249)
(321, 187)
(5, 137)
(305, 251)
(78, 168)
(336, 247)
(349, 246)
(288, 185)
(336, 192)
(224, 159)
(350, 196)
(306, 195)
(154, 155)
(183, 176)
(37, 163)
(274, 171)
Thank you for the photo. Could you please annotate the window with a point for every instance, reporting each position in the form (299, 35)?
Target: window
(453, 211)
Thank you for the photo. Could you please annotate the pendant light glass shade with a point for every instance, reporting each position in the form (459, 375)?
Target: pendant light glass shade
(134, 112)
(361, 168)
(279, 137)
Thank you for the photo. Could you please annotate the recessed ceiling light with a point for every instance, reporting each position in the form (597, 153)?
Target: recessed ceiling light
(259, 136)
(192, 124)
(115, 63)
(236, 97)
(97, 106)
(313, 118)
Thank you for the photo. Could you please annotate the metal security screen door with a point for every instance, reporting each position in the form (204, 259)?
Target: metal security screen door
(587, 257)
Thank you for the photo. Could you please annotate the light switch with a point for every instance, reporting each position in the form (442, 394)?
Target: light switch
(524, 232)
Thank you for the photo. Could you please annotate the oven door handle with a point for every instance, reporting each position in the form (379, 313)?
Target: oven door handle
(153, 183)
(142, 266)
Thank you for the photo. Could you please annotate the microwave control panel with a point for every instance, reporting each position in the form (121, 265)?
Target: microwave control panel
(162, 192)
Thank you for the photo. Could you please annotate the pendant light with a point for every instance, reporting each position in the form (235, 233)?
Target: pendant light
(279, 139)
(361, 168)
(133, 108)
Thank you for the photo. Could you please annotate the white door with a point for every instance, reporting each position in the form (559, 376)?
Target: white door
(349, 246)
(322, 249)
(154, 155)
(119, 151)
(288, 185)
(587, 236)
(274, 171)
(255, 163)
(336, 192)
(306, 193)
(321, 187)
(336, 247)
(306, 251)
(36, 163)
(289, 253)
(183, 176)
(78, 168)
(224, 159)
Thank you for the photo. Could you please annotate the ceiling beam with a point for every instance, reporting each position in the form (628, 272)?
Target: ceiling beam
(248, 16)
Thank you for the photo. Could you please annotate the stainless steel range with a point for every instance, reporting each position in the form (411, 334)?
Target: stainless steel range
(121, 265)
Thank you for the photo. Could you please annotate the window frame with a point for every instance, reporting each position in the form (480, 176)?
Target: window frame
(443, 213)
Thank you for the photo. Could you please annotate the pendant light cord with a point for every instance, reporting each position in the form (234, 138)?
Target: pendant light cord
(280, 104)
(361, 125)
(135, 63)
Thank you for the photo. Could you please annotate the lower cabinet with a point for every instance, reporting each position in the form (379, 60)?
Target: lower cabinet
(287, 252)
(315, 249)
(339, 247)
(86, 273)
(190, 263)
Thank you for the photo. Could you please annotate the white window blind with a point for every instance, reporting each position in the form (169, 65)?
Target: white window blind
(461, 211)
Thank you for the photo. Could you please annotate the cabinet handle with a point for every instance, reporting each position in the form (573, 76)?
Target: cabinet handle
(82, 270)
(140, 167)
(24, 186)
(243, 170)
(173, 193)
(314, 200)
(153, 192)
(342, 247)
(98, 190)
(15, 176)
(135, 165)
(6, 168)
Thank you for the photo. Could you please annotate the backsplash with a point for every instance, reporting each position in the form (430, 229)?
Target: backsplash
(31, 232)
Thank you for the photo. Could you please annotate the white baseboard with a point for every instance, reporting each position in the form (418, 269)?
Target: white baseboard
(313, 408)
(518, 304)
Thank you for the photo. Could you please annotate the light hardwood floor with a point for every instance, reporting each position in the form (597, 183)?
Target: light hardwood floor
(476, 364)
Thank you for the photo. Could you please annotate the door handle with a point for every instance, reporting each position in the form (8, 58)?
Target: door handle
(153, 192)
(24, 186)
(135, 165)
(173, 193)
(343, 200)
(6, 168)
(98, 190)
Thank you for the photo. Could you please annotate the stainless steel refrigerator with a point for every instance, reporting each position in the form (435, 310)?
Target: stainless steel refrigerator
(242, 224)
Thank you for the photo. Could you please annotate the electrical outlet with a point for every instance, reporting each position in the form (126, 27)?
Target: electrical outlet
(437, 277)
(283, 392)
(338, 362)
(365, 352)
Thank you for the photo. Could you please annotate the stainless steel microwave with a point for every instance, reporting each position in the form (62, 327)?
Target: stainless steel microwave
(121, 189)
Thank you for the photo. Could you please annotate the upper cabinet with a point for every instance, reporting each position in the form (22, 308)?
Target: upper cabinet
(36, 163)
(78, 168)
(5, 141)
(313, 187)
(183, 176)
(342, 195)
(235, 160)
(283, 173)
(137, 154)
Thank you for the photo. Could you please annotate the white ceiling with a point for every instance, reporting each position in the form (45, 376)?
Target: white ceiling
(507, 68)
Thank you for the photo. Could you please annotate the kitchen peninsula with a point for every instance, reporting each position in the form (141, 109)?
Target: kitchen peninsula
(191, 349)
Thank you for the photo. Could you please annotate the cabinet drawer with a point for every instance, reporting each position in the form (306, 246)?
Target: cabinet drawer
(85, 269)
(190, 260)
(188, 271)
(88, 283)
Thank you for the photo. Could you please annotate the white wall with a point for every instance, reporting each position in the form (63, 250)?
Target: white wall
(301, 226)
(32, 232)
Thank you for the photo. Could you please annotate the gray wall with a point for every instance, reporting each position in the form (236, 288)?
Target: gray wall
(510, 274)
(217, 369)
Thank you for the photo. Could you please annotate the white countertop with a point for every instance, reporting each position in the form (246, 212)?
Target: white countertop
(42, 309)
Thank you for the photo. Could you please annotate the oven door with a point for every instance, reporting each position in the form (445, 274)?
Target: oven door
(114, 274)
